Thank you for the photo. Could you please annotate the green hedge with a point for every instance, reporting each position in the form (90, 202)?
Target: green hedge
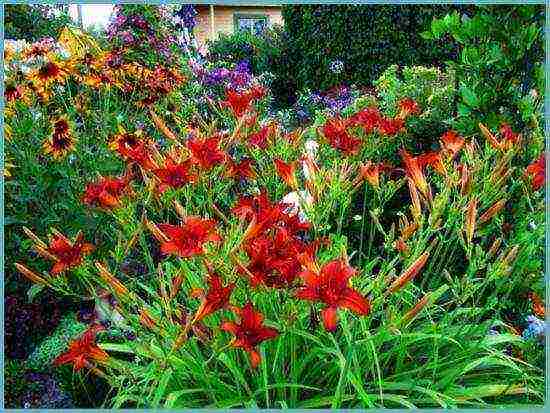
(365, 38)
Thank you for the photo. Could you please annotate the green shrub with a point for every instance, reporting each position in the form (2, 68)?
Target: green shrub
(33, 22)
(433, 89)
(499, 64)
(261, 51)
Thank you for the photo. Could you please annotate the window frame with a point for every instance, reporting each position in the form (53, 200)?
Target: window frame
(239, 15)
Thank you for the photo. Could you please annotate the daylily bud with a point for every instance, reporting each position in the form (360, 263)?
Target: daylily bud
(494, 247)
(408, 274)
(157, 233)
(492, 211)
(415, 207)
(112, 281)
(159, 123)
(31, 275)
(33, 237)
(470, 222)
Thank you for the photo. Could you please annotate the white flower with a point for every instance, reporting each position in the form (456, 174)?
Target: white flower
(311, 146)
(296, 202)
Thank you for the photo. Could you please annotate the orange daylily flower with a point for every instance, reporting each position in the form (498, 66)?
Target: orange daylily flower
(434, 160)
(287, 172)
(106, 192)
(331, 286)
(451, 143)
(82, 350)
(413, 167)
(188, 240)
(240, 170)
(407, 107)
(249, 332)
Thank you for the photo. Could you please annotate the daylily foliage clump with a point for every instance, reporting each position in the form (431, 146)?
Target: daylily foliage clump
(340, 264)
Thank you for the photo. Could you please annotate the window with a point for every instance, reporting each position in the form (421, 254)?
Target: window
(254, 23)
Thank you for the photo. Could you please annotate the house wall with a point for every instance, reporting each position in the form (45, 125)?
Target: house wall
(223, 19)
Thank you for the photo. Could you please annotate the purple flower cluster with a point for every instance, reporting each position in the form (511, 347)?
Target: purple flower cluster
(535, 328)
(129, 29)
(185, 17)
(334, 99)
(238, 78)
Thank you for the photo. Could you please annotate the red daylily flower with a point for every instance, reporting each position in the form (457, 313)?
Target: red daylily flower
(390, 127)
(240, 103)
(371, 172)
(538, 170)
(82, 350)
(368, 119)
(68, 254)
(434, 160)
(188, 240)
(174, 175)
(249, 332)
(259, 208)
(508, 134)
(335, 130)
(407, 107)
(267, 215)
(413, 167)
(451, 143)
(261, 138)
(206, 152)
(287, 172)
(105, 193)
(215, 299)
(274, 259)
(240, 170)
(331, 286)
(139, 153)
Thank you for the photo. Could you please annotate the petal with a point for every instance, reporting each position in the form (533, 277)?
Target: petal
(311, 279)
(107, 200)
(230, 327)
(58, 267)
(306, 293)
(63, 359)
(250, 317)
(255, 358)
(330, 318)
(79, 363)
(169, 248)
(267, 333)
(98, 354)
(355, 302)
